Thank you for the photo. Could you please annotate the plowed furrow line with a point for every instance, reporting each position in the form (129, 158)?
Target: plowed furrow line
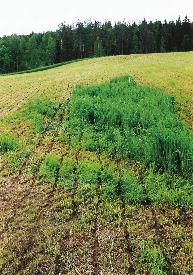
(60, 262)
(44, 210)
(128, 245)
(41, 140)
(16, 106)
(15, 178)
(18, 181)
(15, 206)
(95, 228)
(160, 236)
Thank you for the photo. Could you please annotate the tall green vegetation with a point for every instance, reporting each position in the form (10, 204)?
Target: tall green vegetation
(88, 173)
(128, 121)
(88, 39)
(123, 123)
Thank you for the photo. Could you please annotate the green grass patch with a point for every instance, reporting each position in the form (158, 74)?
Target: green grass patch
(17, 157)
(151, 260)
(130, 121)
(42, 106)
(132, 190)
(90, 174)
(49, 168)
(164, 189)
(39, 111)
(68, 170)
(8, 143)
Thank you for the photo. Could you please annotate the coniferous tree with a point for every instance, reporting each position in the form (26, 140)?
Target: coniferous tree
(87, 39)
(136, 41)
(98, 47)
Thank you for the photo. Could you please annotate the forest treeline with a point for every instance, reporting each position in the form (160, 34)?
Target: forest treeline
(89, 39)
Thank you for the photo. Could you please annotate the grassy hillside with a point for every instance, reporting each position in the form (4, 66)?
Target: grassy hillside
(97, 178)
(171, 72)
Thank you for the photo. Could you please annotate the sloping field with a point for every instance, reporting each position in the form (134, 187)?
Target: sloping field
(97, 179)
(171, 72)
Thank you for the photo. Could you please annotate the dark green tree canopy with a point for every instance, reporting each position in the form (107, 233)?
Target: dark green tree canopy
(88, 39)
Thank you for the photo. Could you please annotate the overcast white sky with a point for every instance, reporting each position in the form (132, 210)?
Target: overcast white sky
(25, 16)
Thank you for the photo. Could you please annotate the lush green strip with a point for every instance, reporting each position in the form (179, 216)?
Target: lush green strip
(88, 174)
(124, 121)
(157, 189)
(132, 122)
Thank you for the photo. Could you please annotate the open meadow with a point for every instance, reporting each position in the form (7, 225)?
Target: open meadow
(96, 167)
